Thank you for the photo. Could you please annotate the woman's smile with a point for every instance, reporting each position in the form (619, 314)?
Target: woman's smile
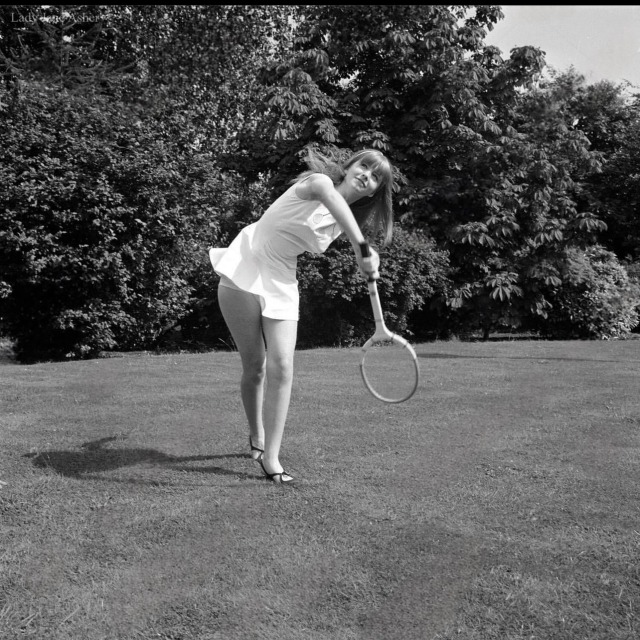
(361, 180)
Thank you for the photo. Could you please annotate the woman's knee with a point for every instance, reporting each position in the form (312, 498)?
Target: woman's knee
(254, 369)
(280, 338)
(280, 370)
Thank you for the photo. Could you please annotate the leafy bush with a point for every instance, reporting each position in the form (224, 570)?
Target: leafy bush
(99, 218)
(334, 299)
(597, 299)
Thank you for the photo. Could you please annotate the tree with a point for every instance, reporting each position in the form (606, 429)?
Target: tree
(527, 204)
(609, 115)
(98, 216)
(200, 62)
(78, 47)
(109, 164)
(388, 82)
(415, 82)
(197, 61)
(154, 130)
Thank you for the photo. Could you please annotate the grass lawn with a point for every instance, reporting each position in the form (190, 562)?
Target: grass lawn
(502, 501)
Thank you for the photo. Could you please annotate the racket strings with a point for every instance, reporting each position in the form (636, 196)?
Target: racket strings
(390, 371)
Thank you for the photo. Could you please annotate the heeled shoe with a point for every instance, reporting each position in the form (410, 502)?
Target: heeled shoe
(278, 478)
(253, 448)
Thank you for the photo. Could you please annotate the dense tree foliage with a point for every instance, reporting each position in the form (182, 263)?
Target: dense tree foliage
(110, 185)
(133, 137)
(610, 117)
(97, 229)
(492, 164)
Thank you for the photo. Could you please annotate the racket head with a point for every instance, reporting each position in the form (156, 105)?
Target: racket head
(389, 368)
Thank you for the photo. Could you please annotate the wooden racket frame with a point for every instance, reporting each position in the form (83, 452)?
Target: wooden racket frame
(382, 334)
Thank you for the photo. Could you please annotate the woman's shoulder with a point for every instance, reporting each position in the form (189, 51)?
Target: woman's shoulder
(313, 186)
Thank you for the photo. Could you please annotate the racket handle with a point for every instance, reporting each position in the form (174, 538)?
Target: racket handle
(365, 250)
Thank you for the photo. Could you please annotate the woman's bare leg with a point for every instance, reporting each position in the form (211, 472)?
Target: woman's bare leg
(266, 409)
(280, 336)
(242, 313)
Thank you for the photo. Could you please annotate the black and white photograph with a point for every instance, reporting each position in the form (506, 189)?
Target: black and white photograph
(319, 322)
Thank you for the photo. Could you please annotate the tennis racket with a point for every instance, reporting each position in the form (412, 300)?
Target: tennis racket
(389, 365)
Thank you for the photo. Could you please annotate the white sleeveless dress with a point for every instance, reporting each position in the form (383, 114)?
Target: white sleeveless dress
(263, 257)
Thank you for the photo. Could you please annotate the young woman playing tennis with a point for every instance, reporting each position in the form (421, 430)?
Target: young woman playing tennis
(258, 290)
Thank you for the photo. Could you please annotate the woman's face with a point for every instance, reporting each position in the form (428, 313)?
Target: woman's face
(363, 178)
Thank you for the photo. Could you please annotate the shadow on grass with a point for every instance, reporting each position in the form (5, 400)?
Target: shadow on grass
(445, 356)
(94, 458)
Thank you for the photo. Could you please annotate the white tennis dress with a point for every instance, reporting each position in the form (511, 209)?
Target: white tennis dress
(263, 257)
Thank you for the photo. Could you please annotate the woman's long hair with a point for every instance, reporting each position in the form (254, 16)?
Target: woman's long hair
(373, 213)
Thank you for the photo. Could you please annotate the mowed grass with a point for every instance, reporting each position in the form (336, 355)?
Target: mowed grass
(502, 501)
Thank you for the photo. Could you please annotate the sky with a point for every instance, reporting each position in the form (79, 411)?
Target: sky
(601, 42)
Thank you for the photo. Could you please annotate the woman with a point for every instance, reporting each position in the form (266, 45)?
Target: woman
(258, 290)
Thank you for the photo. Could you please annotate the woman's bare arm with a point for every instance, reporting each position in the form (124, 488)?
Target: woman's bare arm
(320, 187)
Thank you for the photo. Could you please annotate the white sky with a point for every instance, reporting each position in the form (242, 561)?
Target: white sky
(601, 42)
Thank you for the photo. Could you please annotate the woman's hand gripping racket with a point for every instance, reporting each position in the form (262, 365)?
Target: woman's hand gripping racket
(389, 365)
